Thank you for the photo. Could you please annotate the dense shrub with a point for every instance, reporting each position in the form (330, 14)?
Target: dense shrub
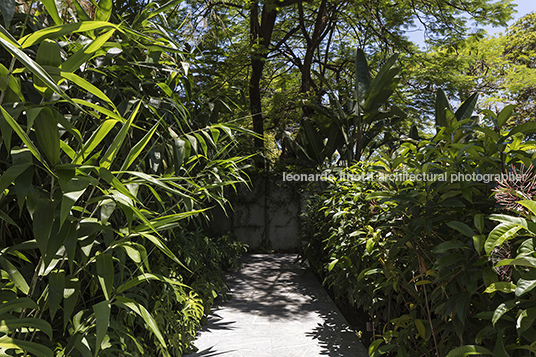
(418, 255)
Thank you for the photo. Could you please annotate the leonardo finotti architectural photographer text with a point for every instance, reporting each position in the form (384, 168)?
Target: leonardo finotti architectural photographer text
(401, 176)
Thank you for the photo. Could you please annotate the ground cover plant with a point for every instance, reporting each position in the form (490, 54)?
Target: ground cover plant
(109, 164)
(439, 265)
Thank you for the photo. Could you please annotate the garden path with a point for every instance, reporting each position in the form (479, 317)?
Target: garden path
(277, 308)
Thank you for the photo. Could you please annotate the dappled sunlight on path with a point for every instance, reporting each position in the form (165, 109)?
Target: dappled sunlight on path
(277, 308)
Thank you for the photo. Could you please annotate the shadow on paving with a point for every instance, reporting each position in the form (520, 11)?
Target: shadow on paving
(276, 308)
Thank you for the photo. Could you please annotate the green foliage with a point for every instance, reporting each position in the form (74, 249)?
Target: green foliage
(103, 164)
(421, 255)
(350, 128)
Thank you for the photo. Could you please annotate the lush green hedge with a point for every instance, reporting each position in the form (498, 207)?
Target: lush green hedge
(426, 259)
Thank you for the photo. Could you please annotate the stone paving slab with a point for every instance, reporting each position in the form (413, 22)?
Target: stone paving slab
(277, 308)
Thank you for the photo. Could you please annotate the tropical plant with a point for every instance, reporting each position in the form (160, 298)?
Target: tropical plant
(350, 128)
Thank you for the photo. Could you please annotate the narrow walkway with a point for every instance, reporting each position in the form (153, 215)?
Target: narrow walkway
(277, 308)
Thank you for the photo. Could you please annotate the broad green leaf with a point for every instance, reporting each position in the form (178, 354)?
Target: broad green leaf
(104, 10)
(442, 104)
(462, 228)
(102, 315)
(468, 350)
(36, 349)
(420, 328)
(48, 135)
(501, 310)
(55, 32)
(56, 283)
(144, 314)
(479, 241)
(332, 264)
(531, 205)
(525, 128)
(70, 299)
(521, 261)
(50, 6)
(82, 83)
(502, 286)
(505, 114)
(13, 83)
(48, 56)
(105, 271)
(28, 322)
(526, 283)
(22, 303)
(15, 276)
(43, 220)
(465, 111)
(158, 243)
(479, 222)
(7, 8)
(500, 234)
(74, 189)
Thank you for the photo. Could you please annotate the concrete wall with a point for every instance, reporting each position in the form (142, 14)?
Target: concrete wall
(266, 216)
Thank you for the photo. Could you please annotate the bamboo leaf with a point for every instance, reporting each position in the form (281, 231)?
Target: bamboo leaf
(105, 271)
(144, 278)
(95, 139)
(138, 148)
(113, 149)
(22, 303)
(28, 322)
(25, 139)
(15, 276)
(36, 349)
(144, 314)
(56, 283)
(102, 315)
(55, 32)
(48, 135)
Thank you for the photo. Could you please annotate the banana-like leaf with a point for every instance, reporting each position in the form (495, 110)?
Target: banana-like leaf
(441, 107)
(505, 114)
(465, 111)
(362, 73)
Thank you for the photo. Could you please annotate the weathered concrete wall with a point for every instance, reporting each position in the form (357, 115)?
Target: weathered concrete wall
(266, 216)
